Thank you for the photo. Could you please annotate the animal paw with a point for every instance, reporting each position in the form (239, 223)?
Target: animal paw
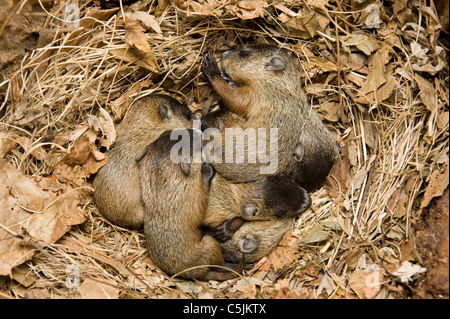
(226, 230)
(210, 67)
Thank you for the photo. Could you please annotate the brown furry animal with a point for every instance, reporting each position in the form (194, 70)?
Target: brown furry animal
(232, 205)
(255, 239)
(117, 193)
(261, 84)
(175, 198)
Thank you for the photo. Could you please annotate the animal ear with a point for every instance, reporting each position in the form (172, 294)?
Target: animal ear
(185, 167)
(142, 155)
(221, 125)
(164, 111)
(298, 152)
(305, 201)
(248, 244)
(276, 63)
(249, 210)
(208, 173)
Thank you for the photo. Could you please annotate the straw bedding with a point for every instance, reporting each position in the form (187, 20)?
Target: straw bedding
(384, 90)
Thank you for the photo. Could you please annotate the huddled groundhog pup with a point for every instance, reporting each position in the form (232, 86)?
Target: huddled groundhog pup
(261, 84)
(175, 198)
(231, 205)
(251, 218)
(116, 185)
(255, 239)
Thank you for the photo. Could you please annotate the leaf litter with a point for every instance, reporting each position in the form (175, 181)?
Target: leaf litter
(376, 75)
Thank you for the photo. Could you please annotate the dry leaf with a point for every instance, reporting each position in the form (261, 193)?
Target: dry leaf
(398, 202)
(320, 231)
(248, 9)
(326, 283)
(396, 233)
(70, 174)
(105, 124)
(50, 183)
(24, 189)
(361, 174)
(322, 64)
(282, 288)
(147, 19)
(250, 291)
(12, 250)
(105, 289)
(429, 67)
(103, 15)
(72, 136)
(423, 61)
(75, 245)
(79, 152)
(407, 270)
(7, 143)
(134, 35)
(428, 93)
(366, 285)
(338, 180)
(23, 275)
(398, 6)
(319, 5)
(304, 26)
(119, 105)
(285, 253)
(146, 61)
(316, 89)
(162, 5)
(360, 41)
(329, 111)
(10, 141)
(93, 164)
(241, 284)
(57, 219)
(83, 152)
(436, 186)
(379, 84)
(181, 4)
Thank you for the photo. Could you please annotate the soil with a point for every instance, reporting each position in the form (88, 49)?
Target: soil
(432, 245)
(20, 35)
(431, 232)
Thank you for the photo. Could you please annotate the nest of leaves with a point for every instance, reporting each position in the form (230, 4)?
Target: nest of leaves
(375, 73)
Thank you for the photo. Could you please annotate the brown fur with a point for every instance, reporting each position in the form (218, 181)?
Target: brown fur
(116, 185)
(262, 85)
(273, 197)
(175, 198)
(276, 199)
(256, 238)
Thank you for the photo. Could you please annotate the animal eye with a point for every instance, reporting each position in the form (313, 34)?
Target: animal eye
(245, 52)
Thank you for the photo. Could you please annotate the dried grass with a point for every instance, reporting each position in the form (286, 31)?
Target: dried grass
(393, 147)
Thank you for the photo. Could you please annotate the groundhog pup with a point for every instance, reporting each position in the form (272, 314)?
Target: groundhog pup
(255, 239)
(232, 205)
(175, 198)
(117, 193)
(262, 85)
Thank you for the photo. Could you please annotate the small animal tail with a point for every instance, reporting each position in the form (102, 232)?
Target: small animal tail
(221, 274)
